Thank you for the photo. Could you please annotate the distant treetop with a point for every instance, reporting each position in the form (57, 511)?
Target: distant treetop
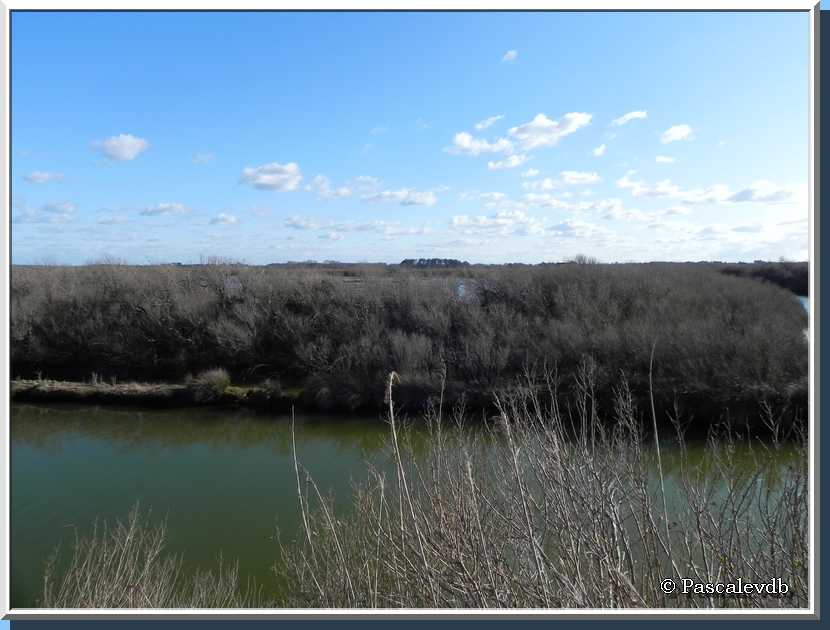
(425, 263)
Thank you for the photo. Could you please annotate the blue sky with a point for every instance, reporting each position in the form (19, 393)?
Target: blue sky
(491, 137)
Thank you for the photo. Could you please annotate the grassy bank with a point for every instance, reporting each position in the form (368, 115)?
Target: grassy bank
(550, 507)
(204, 390)
(333, 332)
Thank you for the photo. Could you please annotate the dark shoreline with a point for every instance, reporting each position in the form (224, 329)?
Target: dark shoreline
(698, 413)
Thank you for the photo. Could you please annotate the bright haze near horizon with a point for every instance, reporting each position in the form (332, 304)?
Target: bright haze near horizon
(488, 137)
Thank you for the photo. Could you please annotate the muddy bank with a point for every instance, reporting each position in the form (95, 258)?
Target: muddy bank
(155, 395)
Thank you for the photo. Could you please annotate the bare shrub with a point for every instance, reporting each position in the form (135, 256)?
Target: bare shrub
(210, 384)
(125, 565)
(550, 508)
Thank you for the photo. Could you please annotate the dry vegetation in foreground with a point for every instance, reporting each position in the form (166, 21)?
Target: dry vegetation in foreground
(548, 508)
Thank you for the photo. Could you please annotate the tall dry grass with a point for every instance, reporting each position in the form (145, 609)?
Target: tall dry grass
(553, 509)
(125, 565)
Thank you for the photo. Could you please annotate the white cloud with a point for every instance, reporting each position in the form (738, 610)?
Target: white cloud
(664, 159)
(223, 218)
(162, 209)
(122, 148)
(322, 187)
(57, 212)
(574, 228)
(675, 133)
(273, 176)
(717, 193)
(510, 56)
(599, 151)
(626, 118)
(542, 184)
(510, 162)
(43, 177)
(203, 158)
(366, 183)
(578, 177)
(335, 231)
(301, 223)
(112, 219)
(531, 172)
(405, 197)
(566, 178)
(464, 142)
(504, 222)
(544, 132)
(488, 122)
(764, 191)
(629, 215)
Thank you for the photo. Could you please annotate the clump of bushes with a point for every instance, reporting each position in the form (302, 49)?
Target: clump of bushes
(209, 385)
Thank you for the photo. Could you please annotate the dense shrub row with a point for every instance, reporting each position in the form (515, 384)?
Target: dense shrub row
(793, 276)
(336, 331)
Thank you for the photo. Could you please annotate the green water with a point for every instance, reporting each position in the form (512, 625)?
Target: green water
(224, 479)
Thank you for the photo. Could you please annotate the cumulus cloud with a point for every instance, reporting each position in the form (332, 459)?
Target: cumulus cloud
(56, 212)
(122, 148)
(531, 172)
(405, 197)
(675, 133)
(300, 223)
(511, 161)
(566, 178)
(164, 209)
(664, 159)
(544, 132)
(43, 177)
(504, 222)
(579, 177)
(335, 231)
(365, 183)
(488, 122)
(547, 183)
(764, 191)
(466, 143)
(599, 151)
(273, 176)
(510, 56)
(112, 219)
(717, 193)
(575, 228)
(223, 218)
(322, 187)
(626, 118)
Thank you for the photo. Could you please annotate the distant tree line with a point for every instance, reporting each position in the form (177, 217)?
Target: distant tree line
(793, 276)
